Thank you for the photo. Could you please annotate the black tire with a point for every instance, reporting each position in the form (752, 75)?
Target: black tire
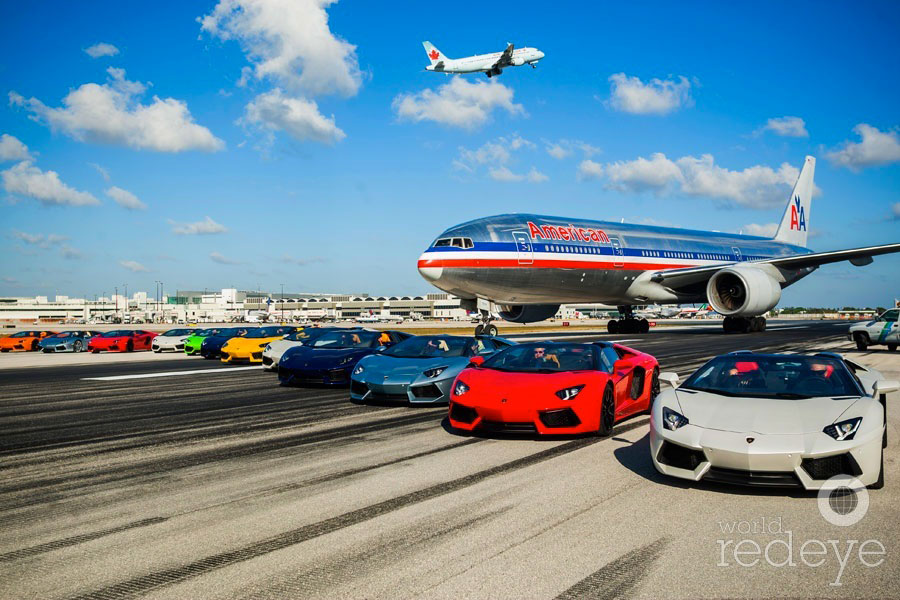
(879, 483)
(862, 341)
(654, 385)
(612, 326)
(607, 412)
(762, 326)
(645, 326)
(34, 345)
(892, 347)
(727, 324)
(129, 347)
(490, 330)
(78, 346)
(479, 329)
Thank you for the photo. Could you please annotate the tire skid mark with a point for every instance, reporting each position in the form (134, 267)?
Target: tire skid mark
(77, 539)
(212, 455)
(619, 577)
(143, 584)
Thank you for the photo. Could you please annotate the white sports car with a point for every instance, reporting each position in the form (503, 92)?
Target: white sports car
(172, 340)
(785, 420)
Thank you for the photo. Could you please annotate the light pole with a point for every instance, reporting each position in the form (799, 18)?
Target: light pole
(162, 307)
(117, 302)
(282, 303)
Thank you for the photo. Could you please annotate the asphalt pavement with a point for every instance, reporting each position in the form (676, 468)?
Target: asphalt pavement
(177, 477)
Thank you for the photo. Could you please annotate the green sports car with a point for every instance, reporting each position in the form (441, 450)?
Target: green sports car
(193, 343)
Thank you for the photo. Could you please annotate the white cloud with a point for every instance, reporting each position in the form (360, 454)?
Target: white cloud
(222, 260)
(754, 187)
(112, 113)
(876, 148)
(44, 240)
(104, 173)
(24, 179)
(302, 262)
(13, 149)
(70, 253)
(125, 199)
(289, 41)
(300, 118)
(566, 148)
(496, 155)
(557, 151)
(457, 103)
(787, 127)
(101, 49)
(762, 230)
(656, 97)
(133, 266)
(205, 227)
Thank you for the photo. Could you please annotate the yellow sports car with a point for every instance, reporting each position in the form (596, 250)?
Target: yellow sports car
(249, 348)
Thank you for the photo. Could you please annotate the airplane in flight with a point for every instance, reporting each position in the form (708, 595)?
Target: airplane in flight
(490, 64)
(521, 267)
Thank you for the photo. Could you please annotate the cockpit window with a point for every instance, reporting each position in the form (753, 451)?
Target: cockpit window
(457, 242)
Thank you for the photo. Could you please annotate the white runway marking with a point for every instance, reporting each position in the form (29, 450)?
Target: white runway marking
(168, 374)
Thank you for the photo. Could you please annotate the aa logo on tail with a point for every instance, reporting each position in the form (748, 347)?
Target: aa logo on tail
(798, 216)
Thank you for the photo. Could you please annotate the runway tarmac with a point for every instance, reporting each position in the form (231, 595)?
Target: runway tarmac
(176, 477)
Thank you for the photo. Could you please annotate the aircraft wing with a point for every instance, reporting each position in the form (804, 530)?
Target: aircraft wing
(676, 278)
(505, 59)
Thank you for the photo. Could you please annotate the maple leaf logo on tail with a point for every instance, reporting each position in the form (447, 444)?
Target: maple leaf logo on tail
(434, 54)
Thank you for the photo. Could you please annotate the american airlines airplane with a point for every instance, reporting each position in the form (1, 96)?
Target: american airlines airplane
(522, 266)
(491, 64)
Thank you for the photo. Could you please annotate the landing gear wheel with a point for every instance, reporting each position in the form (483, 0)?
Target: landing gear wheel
(861, 341)
(644, 326)
(489, 74)
(490, 330)
(879, 483)
(78, 346)
(607, 413)
(612, 326)
(479, 329)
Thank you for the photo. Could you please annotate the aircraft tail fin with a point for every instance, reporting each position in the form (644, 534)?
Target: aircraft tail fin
(794, 226)
(434, 55)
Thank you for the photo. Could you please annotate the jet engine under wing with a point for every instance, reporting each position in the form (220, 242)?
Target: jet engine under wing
(505, 59)
(676, 278)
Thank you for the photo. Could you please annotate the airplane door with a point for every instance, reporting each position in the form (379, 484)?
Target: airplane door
(618, 253)
(524, 248)
(737, 253)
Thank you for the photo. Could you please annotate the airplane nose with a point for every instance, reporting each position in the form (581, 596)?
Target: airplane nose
(428, 271)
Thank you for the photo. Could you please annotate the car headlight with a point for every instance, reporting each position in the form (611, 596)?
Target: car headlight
(460, 388)
(265, 345)
(845, 430)
(673, 420)
(359, 369)
(434, 372)
(569, 392)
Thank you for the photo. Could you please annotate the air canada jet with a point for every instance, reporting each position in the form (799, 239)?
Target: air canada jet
(490, 64)
(521, 267)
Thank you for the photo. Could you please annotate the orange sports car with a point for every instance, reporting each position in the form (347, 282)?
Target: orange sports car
(23, 341)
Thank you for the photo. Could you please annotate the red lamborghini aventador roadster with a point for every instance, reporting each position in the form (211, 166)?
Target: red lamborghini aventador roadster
(554, 388)
(121, 340)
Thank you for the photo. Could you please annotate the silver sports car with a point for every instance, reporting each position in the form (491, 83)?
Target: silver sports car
(172, 340)
(419, 370)
(787, 420)
(67, 341)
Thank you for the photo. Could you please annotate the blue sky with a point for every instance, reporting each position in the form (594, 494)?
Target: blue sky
(308, 143)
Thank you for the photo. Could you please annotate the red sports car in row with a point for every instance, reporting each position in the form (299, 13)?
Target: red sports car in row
(121, 340)
(554, 388)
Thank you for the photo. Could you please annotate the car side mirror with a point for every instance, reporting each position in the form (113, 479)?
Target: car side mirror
(886, 386)
(380, 349)
(670, 378)
(476, 361)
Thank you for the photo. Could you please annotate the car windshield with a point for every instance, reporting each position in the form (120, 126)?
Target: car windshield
(348, 339)
(305, 334)
(64, 334)
(116, 333)
(208, 332)
(177, 332)
(429, 346)
(544, 357)
(25, 334)
(267, 332)
(774, 376)
(234, 332)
